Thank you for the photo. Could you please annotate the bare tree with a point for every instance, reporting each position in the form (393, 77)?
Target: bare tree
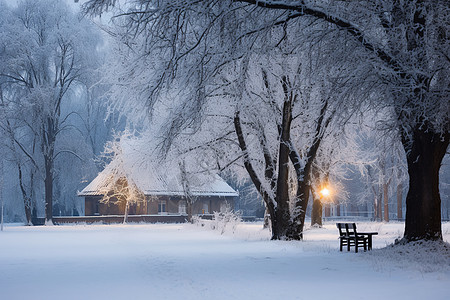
(269, 115)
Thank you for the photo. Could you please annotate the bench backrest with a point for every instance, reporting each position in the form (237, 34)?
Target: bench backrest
(342, 229)
(351, 229)
(346, 229)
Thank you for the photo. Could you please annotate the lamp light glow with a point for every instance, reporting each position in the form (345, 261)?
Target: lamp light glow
(325, 192)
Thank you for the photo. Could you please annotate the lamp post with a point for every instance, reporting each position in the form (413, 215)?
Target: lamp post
(318, 202)
(325, 194)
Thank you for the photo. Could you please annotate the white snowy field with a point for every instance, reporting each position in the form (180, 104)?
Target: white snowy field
(170, 261)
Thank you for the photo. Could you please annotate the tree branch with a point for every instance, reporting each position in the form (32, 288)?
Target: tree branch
(301, 9)
(248, 165)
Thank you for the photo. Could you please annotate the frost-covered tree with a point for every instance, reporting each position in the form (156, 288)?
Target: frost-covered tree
(48, 55)
(119, 186)
(272, 102)
(243, 124)
(402, 44)
(407, 45)
(287, 137)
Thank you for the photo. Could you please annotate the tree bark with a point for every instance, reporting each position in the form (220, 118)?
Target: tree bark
(266, 218)
(380, 206)
(189, 210)
(48, 185)
(316, 213)
(317, 206)
(27, 199)
(374, 208)
(386, 201)
(377, 216)
(49, 132)
(125, 215)
(399, 201)
(423, 202)
(282, 211)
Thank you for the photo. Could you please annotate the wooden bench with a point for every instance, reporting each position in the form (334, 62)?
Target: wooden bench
(348, 236)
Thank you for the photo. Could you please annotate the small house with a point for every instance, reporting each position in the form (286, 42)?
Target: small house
(143, 189)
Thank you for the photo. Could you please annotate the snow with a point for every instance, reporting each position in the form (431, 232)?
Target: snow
(184, 261)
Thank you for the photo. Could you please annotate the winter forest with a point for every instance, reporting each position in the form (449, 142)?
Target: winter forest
(280, 98)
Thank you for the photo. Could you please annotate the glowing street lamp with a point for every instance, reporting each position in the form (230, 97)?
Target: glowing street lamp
(325, 192)
(323, 199)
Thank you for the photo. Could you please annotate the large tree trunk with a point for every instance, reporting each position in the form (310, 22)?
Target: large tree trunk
(423, 202)
(281, 224)
(299, 213)
(282, 211)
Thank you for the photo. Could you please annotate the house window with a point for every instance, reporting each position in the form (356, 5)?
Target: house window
(162, 207)
(205, 208)
(182, 207)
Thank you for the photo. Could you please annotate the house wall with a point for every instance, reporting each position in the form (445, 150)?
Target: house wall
(91, 205)
(112, 207)
(208, 205)
(203, 205)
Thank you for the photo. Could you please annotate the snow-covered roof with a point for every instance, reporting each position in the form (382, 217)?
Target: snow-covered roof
(155, 179)
(153, 184)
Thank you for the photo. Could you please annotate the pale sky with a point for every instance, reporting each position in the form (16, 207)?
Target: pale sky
(71, 3)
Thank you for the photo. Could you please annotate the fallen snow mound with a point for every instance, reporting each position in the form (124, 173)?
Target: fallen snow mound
(423, 256)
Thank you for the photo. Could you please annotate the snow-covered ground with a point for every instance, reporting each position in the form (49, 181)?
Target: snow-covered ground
(169, 261)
